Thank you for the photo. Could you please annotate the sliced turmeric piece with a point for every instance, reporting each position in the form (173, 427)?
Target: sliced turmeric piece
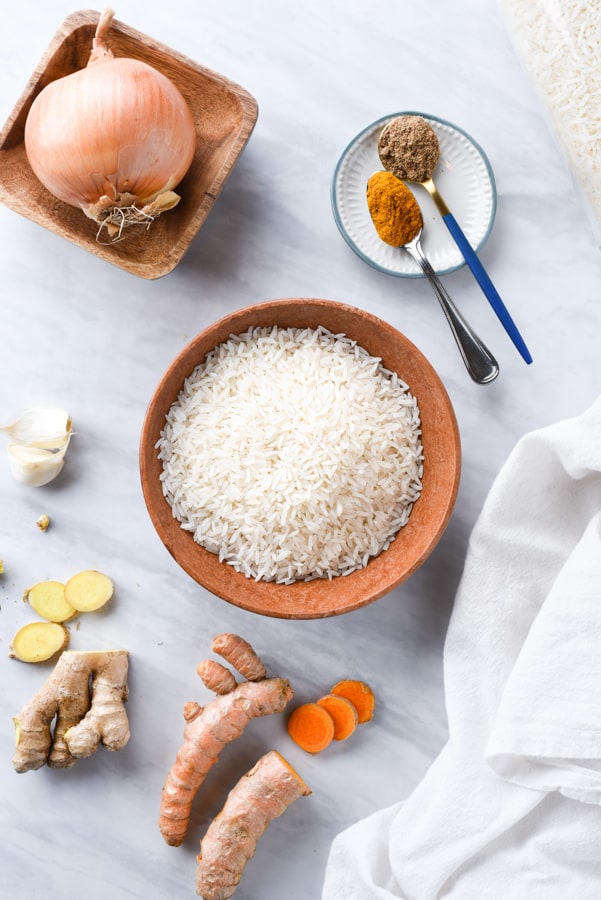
(88, 591)
(261, 795)
(49, 601)
(361, 696)
(311, 727)
(38, 641)
(343, 713)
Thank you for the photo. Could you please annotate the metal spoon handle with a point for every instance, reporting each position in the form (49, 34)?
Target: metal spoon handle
(479, 361)
(478, 270)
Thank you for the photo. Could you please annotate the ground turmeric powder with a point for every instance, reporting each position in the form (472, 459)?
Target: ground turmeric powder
(394, 210)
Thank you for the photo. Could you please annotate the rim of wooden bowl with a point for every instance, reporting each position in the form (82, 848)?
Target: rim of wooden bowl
(319, 598)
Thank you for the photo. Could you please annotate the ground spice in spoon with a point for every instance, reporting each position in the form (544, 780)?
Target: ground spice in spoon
(394, 210)
(409, 148)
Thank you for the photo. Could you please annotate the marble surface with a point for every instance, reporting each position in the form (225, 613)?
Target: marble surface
(78, 332)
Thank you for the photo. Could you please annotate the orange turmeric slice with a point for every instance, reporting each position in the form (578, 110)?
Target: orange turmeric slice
(343, 713)
(361, 696)
(311, 727)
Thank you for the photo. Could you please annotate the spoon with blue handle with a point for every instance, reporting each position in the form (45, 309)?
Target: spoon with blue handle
(398, 222)
(462, 242)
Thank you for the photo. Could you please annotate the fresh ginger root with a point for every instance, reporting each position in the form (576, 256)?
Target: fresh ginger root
(208, 730)
(85, 715)
(260, 796)
(39, 641)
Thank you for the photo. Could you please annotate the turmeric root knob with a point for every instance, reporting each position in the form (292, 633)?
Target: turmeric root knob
(263, 794)
(216, 677)
(240, 655)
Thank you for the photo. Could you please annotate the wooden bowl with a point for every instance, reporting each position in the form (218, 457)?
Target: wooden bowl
(224, 114)
(413, 543)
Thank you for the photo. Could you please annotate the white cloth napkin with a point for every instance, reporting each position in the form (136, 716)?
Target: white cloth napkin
(511, 808)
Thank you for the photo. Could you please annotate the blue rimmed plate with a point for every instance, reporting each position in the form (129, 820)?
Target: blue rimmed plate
(463, 176)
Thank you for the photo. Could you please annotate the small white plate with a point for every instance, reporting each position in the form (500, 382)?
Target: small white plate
(463, 176)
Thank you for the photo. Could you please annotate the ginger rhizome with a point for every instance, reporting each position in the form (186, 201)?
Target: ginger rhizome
(85, 697)
(263, 794)
(209, 729)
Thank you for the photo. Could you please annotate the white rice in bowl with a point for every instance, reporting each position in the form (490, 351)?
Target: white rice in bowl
(292, 454)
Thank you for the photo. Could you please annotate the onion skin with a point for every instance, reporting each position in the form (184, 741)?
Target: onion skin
(115, 135)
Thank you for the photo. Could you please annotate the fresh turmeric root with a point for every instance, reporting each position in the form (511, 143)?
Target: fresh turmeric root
(361, 696)
(311, 727)
(263, 794)
(216, 677)
(85, 716)
(343, 713)
(208, 731)
(240, 655)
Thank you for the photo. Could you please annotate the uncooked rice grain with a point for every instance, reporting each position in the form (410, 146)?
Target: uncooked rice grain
(292, 454)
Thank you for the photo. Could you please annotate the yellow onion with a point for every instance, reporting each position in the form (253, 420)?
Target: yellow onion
(114, 138)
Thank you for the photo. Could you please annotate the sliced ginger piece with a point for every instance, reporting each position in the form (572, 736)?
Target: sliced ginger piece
(343, 713)
(49, 601)
(311, 727)
(361, 696)
(88, 591)
(39, 641)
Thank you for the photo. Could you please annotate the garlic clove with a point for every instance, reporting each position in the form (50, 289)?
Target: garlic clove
(35, 466)
(48, 428)
(43, 522)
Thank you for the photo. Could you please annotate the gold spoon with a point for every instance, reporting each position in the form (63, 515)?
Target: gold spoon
(397, 156)
(400, 207)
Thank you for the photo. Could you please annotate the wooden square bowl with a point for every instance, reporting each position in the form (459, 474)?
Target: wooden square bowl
(224, 115)
(413, 543)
